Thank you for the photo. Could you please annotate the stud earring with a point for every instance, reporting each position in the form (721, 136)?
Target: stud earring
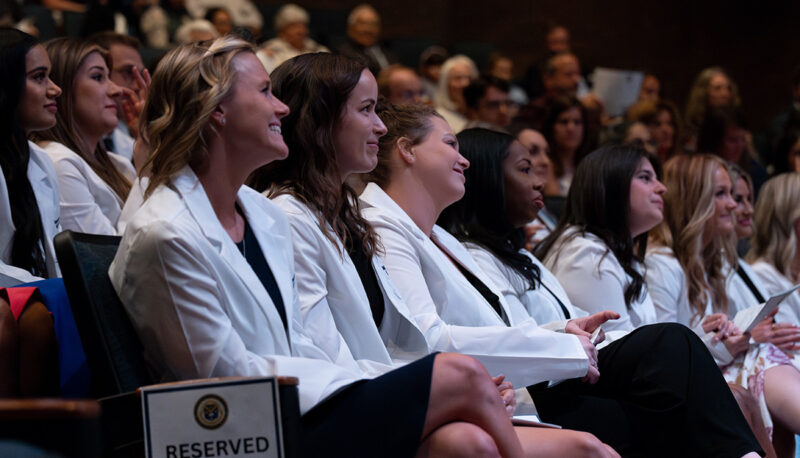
(223, 121)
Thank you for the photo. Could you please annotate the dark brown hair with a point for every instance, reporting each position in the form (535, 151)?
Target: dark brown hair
(316, 88)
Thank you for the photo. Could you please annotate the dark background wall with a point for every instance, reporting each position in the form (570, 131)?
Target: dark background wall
(758, 43)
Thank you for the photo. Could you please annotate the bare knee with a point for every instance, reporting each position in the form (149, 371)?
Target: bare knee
(467, 373)
(459, 439)
(587, 445)
(36, 323)
(461, 369)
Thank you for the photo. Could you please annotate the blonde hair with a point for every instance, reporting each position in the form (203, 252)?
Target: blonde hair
(688, 212)
(188, 84)
(777, 211)
(442, 91)
(697, 105)
(67, 55)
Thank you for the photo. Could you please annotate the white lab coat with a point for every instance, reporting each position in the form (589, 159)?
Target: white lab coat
(44, 182)
(666, 282)
(537, 303)
(595, 280)
(773, 282)
(332, 298)
(199, 308)
(453, 315)
(88, 204)
(739, 295)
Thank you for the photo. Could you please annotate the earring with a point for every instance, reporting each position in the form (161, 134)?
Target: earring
(222, 121)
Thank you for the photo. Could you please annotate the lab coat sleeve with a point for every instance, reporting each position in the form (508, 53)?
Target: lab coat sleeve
(594, 286)
(13, 276)
(664, 284)
(526, 353)
(79, 210)
(667, 289)
(175, 303)
(318, 322)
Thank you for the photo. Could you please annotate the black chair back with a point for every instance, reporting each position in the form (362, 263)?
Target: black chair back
(113, 349)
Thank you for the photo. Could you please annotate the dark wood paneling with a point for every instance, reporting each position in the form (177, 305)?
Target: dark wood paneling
(758, 43)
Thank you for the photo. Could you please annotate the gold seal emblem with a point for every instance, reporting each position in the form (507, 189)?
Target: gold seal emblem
(211, 411)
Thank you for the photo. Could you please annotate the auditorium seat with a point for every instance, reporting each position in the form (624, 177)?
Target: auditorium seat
(114, 351)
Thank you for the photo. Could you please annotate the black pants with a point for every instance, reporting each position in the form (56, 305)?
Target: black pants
(660, 393)
(383, 417)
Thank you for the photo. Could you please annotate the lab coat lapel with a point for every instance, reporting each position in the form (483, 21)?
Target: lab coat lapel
(199, 206)
(45, 185)
(376, 197)
(271, 242)
(460, 253)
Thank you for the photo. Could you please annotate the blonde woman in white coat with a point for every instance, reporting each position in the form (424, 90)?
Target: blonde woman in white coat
(349, 306)
(688, 271)
(193, 271)
(502, 195)
(775, 248)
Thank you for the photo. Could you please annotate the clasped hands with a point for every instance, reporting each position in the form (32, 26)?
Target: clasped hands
(583, 328)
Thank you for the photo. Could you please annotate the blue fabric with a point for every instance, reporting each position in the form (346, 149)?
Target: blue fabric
(72, 367)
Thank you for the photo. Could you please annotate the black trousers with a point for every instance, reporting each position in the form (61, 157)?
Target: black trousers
(660, 393)
(384, 416)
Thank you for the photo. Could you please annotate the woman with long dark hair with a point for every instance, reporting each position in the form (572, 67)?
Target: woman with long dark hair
(29, 186)
(610, 241)
(30, 214)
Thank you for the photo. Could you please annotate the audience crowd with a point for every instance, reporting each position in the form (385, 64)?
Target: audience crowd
(444, 244)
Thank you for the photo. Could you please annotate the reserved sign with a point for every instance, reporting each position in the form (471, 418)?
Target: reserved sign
(225, 418)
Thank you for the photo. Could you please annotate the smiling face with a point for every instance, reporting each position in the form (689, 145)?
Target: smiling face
(523, 188)
(355, 136)
(95, 98)
(438, 165)
(252, 114)
(722, 222)
(646, 199)
(743, 214)
(37, 107)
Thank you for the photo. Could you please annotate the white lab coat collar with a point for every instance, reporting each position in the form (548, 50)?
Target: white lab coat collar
(399, 340)
(376, 197)
(189, 187)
